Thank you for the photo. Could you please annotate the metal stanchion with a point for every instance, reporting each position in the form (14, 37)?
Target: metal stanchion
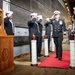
(34, 51)
(72, 51)
(53, 45)
(46, 54)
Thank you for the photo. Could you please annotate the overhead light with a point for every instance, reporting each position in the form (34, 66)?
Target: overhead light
(65, 3)
(67, 7)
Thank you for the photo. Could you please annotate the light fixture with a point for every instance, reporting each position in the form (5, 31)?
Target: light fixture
(65, 3)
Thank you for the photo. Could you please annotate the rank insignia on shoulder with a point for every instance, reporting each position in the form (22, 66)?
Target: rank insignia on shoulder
(60, 22)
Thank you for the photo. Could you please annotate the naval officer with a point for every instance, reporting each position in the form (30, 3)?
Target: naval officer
(39, 35)
(48, 32)
(58, 28)
(35, 28)
(74, 18)
(8, 24)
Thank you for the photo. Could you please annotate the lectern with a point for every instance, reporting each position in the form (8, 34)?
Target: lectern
(6, 49)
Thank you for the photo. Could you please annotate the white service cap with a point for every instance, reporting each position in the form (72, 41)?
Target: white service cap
(47, 19)
(9, 13)
(57, 12)
(73, 8)
(40, 16)
(33, 14)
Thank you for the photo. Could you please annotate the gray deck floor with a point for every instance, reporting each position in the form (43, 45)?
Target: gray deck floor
(22, 67)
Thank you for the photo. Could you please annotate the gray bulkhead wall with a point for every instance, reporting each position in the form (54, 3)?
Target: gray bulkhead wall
(43, 7)
(23, 8)
(0, 4)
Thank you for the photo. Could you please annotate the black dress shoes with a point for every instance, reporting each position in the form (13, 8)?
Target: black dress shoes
(59, 58)
(39, 55)
(56, 57)
(50, 51)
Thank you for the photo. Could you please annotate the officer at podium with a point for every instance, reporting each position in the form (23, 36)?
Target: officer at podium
(48, 31)
(8, 24)
(58, 28)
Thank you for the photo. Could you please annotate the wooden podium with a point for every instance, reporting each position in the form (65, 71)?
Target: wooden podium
(6, 49)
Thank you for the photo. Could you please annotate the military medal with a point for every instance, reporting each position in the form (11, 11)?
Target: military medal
(60, 22)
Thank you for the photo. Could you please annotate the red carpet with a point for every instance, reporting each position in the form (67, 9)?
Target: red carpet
(52, 62)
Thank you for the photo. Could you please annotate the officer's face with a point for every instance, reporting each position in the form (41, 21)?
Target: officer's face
(11, 17)
(57, 16)
(74, 12)
(34, 17)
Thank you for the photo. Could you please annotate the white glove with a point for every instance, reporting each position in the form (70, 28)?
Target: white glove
(48, 19)
(65, 33)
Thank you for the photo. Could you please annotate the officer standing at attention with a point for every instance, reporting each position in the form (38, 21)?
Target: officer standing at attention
(8, 24)
(58, 28)
(70, 29)
(39, 36)
(35, 29)
(48, 32)
(74, 19)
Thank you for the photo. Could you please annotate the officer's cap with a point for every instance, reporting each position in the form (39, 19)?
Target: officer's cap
(73, 8)
(9, 12)
(33, 14)
(39, 16)
(57, 12)
(47, 19)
